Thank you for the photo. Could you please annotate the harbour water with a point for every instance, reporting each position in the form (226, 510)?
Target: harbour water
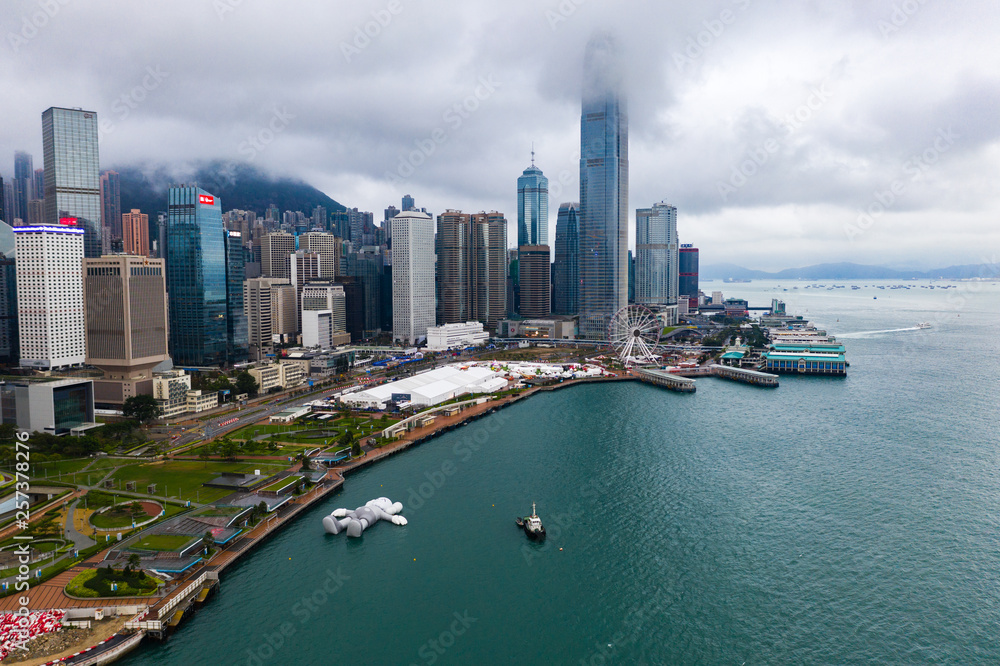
(831, 520)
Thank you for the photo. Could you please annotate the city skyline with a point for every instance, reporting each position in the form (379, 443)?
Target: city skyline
(840, 99)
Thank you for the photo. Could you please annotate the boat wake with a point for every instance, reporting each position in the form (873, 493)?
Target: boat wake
(865, 334)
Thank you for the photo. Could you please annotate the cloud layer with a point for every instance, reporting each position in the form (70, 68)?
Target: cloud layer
(786, 132)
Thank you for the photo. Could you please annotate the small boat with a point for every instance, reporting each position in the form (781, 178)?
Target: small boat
(532, 525)
(923, 324)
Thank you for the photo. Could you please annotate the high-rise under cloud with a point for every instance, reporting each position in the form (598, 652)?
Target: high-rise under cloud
(532, 206)
(603, 231)
(72, 172)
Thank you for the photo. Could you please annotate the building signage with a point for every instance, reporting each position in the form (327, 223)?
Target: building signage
(205, 199)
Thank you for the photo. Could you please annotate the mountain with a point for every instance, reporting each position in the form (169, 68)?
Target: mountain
(846, 271)
(240, 186)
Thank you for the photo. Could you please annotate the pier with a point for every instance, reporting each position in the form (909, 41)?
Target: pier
(665, 380)
(746, 376)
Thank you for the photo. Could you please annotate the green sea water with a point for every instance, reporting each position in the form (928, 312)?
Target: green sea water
(829, 521)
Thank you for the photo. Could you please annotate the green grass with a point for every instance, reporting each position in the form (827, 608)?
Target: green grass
(120, 516)
(164, 542)
(220, 511)
(282, 484)
(97, 583)
(184, 478)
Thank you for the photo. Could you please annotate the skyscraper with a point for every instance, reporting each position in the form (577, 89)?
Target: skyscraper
(196, 277)
(6, 201)
(656, 260)
(275, 248)
(328, 247)
(412, 276)
(50, 296)
(453, 245)
(72, 178)
(408, 203)
(533, 266)
(111, 206)
(9, 335)
(24, 185)
(237, 342)
(135, 233)
(257, 302)
(603, 253)
(566, 270)
(687, 285)
(489, 268)
(39, 184)
(125, 299)
(532, 206)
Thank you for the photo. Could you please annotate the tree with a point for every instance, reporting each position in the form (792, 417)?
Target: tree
(245, 383)
(204, 454)
(134, 562)
(137, 511)
(228, 449)
(208, 540)
(142, 408)
(304, 459)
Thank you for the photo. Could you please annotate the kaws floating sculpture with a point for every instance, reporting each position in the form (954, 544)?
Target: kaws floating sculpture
(357, 521)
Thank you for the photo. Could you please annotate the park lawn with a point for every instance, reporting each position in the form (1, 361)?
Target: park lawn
(220, 511)
(120, 516)
(164, 542)
(184, 478)
(97, 583)
(52, 469)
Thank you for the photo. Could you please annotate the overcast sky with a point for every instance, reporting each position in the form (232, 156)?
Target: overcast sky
(770, 125)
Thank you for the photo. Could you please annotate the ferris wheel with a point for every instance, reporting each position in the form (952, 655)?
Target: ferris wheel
(634, 333)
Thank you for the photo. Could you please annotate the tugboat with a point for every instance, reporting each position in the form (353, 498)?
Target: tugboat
(924, 324)
(532, 525)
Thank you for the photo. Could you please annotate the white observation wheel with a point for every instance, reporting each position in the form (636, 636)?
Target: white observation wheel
(634, 333)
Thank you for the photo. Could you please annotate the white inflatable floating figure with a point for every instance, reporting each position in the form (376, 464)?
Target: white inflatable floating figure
(357, 521)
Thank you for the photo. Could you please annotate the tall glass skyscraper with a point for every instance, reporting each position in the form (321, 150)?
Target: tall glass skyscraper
(532, 206)
(24, 186)
(196, 278)
(656, 255)
(72, 172)
(566, 270)
(603, 189)
(237, 332)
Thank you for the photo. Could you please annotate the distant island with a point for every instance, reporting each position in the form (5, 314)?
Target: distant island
(846, 271)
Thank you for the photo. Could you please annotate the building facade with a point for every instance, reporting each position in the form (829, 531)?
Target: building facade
(135, 233)
(687, 284)
(50, 296)
(566, 269)
(603, 249)
(257, 303)
(196, 278)
(275, 248)
(72, 173)
(535, 280)
(328, 247)
(237, 336)
(532, 206)
(326, 295)
(111, 207)
(125, 301)
(657, 266)
(413, 258)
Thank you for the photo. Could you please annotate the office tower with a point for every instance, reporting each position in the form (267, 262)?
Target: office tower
(135, 233)
(366, 269)
(159, 232)
(285, 311)
(111, 204)
(453, 245)
(319, 217)
(390, 213)
(489, 268)
(534, 279)
(196, 277)
(412, 276)
(631, 277)
(656, 256)
(275, 248)
(566, 273)
(532, 206)
(39, 184)
(603, 253)
(125, 300)
(5, 201)
(9, 336)
(358, 221)
(50, 296)
(408, 203)
(260, 304)
(339, 224)
(687, 284)
(326, 295)
(236, 321)
(36, 212)
(328, 247)
(24, 184)
(354, 304)
(72, 179)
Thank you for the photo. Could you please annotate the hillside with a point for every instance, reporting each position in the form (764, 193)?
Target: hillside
(238, 185)
(844, 271)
